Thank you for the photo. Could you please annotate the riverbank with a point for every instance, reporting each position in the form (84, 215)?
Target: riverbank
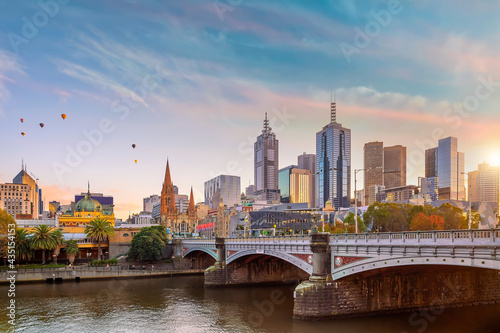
(78, 275)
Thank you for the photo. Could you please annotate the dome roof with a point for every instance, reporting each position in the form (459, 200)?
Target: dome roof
(88, 204)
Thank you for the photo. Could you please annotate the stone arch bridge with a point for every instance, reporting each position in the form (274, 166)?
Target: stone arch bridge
(355, 274)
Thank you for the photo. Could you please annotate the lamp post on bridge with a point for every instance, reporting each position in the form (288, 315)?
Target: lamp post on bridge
(470, 198)
(356, 200)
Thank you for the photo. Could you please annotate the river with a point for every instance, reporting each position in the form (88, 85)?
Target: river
(182, 304)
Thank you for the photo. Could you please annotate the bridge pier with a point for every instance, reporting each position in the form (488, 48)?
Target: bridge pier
(424, 289)
(250, 270)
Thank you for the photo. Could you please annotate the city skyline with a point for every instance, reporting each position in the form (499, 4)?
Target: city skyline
(212, 105)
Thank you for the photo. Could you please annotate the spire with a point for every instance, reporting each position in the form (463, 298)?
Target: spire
(88, 188)
(333, 108)
(191, 200)
(22, 164)
(267, 129)
(168, 180)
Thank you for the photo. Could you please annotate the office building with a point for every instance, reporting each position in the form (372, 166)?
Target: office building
(394, 166)
(308, 162)
(223, 188)
(447, 164)
(266, 164)
(484, 184)
(33, 196)
(149, 202)
(333, 163)
(300, 186)
(373, 153)
(284, 183)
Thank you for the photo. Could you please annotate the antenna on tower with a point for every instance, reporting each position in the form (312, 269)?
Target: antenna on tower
(266, 129)
(333, 108)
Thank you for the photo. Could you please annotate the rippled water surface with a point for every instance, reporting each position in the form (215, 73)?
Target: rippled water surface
(181, 304)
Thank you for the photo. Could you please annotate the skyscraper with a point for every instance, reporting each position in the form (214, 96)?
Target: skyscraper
(484, 184)
(394, 166)
(374, 169)
(447, 164)
(300, 186)
(284, 182)
(308, 162)
(266, 156)
(223, 188)
(333, 167)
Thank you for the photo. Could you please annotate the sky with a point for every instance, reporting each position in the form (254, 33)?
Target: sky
(191, 81)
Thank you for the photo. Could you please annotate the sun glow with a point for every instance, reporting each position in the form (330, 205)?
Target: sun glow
(495, 158)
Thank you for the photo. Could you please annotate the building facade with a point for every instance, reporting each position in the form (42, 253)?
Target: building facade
(484, 184)
(15, 199)
(172, 215)
(300, 187)
(33, 196)
(284, 183)
(447, 164)
(223, 188)
(148, 203)
(373, 153)
(394, 166)
(308, 162)
(333, 163)
(401, 193)
(266, 164)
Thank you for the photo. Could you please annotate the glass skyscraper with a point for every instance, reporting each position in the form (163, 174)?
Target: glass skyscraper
(266, 161)
(223, 188)
(447, 164)
(333, 164)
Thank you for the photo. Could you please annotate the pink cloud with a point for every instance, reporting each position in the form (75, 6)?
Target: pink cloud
(63, 95)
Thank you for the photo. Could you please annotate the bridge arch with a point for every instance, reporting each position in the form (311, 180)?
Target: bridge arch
(372, 264)
(295, 261)
(210, 252)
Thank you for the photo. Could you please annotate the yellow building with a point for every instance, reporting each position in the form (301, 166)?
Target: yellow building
(86, 210)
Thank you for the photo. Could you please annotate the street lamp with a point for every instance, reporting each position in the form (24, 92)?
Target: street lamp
(470, 198)
(356, 200)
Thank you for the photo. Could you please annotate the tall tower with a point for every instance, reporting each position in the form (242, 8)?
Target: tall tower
(374, 170)
(266, 155)
(168, 208)
(333, 167)
(192, 207)
(394, 166)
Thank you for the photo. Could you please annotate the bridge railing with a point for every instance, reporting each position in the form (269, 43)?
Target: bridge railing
(433, 236)
(268, 240)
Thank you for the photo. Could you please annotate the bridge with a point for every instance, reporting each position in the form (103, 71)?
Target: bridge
(359, 273)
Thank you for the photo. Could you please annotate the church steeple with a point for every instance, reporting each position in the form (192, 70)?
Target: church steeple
(168, 208)
(192, 207)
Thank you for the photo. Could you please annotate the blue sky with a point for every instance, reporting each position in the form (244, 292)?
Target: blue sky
(192, 80)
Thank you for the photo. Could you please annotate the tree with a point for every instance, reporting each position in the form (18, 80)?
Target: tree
(452, 215)
(24, 249)
(99, 230)
(7, 223)
(43, 239)
(437, 222)
(376, 215)
(148, 244)
(475, 221)
(59, 242)
(71, 250)
(349, 220)
(420, 222)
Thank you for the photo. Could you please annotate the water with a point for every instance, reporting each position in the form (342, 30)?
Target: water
(181, 304)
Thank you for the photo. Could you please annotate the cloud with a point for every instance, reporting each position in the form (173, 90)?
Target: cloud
(63, 95)
(9, 67)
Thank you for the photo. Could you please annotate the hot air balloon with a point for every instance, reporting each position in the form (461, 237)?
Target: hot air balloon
(23, 134)
(22, 120)
(135, 161)
(63, 116)
(41, 125)
(133, 146)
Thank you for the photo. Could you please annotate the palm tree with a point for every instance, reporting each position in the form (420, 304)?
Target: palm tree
(99, 230)
(59, 242)
(43, 239)
(23, 244)
(71, 250)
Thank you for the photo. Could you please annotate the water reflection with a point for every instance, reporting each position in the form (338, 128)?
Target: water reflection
(181, 304)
